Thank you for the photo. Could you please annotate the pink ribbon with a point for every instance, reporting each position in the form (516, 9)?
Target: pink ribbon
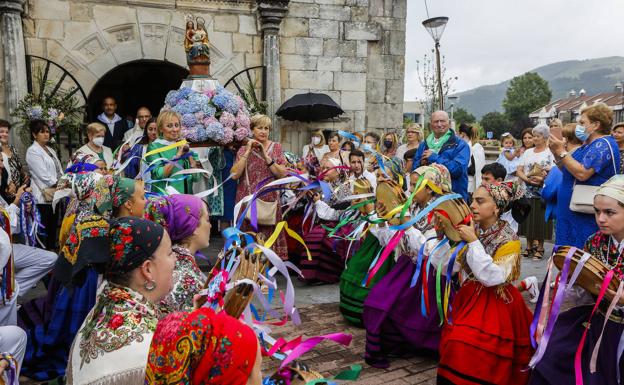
(384, 255)
(578, 370)
(594, 357)
(310, 343)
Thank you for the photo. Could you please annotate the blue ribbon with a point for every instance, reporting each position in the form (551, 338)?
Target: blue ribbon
(425, 211)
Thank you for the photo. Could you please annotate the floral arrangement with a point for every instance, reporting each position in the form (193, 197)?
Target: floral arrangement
(216, 115)
(59, 108)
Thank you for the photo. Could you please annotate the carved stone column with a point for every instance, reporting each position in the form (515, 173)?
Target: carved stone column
(14, 57)
(271, 13)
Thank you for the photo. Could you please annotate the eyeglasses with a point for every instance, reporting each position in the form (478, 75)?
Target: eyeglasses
(143, 117)
(173, 125)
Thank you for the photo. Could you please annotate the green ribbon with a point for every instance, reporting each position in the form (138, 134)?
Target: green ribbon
(439, 293)
(348, 375)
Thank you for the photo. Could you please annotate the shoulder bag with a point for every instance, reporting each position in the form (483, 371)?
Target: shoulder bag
(266, 211)
(582, 200)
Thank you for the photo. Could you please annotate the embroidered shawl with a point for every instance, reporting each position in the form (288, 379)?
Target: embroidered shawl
(188, 280)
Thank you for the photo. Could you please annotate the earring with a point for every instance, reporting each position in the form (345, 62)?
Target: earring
(149, 285)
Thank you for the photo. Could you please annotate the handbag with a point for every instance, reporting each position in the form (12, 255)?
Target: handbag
(582, 200)
(266, 212)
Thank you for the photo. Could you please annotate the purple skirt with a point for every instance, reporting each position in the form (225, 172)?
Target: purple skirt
(328, 256)
(557, 365)
(392, 315)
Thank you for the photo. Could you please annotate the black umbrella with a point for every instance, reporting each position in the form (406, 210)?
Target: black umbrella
(309, 107)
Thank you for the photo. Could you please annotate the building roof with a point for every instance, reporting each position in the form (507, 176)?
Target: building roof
(576, 103)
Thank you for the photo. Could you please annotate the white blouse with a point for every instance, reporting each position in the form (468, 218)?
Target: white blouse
(45, 169)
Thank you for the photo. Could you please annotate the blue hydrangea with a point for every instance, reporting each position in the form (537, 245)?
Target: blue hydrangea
(184, 107)
(232, 106)
(172, 98)
(189, 120)
(52, 113)
(208, 110)
(198, 98)
(220, 100)
(215, 131)
(184, 92)
(196, 134)
(34, 112)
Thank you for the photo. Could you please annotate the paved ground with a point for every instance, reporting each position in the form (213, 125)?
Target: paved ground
(318, 306)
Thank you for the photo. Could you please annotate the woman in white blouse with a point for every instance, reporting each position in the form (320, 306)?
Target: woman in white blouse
(477, 155)
(95, 146)
(314, 152)
(45, 169)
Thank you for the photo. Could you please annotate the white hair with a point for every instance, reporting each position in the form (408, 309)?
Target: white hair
(542, 130)
(443, 113)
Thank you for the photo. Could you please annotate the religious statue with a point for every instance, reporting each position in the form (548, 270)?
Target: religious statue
(197, 46)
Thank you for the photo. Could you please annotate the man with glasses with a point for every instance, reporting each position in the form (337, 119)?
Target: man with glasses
(444, 147)
(117, 126)
(132, 135)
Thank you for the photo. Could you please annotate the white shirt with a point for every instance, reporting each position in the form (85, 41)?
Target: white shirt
(109, 122)
(133, 134)
(107, 153)
(14, 213)
(369, 176)
(45, 169)
(400, 152)
(478, 154)
(544, 158)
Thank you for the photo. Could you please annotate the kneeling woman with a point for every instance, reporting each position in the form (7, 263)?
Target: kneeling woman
(486, 339)
(392, 313)
(186, 219)
(557, 366)
(112, 344)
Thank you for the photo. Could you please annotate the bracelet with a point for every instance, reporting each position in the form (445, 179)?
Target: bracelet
(271, 164)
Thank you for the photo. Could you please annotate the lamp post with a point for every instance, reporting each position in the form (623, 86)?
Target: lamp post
(435, 26)
(452, 100)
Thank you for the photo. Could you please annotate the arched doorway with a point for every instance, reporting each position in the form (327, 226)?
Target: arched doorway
(135, 84)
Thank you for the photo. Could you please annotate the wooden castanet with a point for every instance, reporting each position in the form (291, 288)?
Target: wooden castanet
(450, 214)
(391, 195)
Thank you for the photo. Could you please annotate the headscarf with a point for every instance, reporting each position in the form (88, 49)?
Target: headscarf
(504, 193)
(436, 176)
(179, 214)
(613, 188)
(132, 242)
(201, 347)
(122, 191)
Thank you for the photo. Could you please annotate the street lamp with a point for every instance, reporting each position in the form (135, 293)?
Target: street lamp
(452, 99)
(436, 26)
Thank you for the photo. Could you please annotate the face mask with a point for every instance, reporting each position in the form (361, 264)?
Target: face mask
(388, 143)
(316, 140)
(99, 141)
(581, 133)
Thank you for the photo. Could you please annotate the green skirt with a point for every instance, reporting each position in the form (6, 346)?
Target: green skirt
(352, 290)
(535, 226)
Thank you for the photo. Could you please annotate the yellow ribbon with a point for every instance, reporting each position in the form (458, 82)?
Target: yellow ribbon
(278, 229)
(166, 148)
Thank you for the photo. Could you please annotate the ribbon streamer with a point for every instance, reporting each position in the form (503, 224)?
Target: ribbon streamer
(310, 343)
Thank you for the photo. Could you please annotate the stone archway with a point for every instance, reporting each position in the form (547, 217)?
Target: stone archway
(135, 84)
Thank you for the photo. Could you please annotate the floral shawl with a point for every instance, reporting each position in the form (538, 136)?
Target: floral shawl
(600, 246)
(188, 280)
(112, 344)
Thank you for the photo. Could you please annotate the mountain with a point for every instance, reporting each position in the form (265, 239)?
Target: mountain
(594, 75)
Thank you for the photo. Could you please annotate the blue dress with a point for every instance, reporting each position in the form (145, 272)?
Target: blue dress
(572, 228)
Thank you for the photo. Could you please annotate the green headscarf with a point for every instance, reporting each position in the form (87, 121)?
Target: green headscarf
(435, 145)
(122, 191)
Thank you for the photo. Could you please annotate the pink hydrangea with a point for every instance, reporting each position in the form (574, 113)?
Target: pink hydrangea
(199, 116)
(209, 120)
(241, 133)
(228, 136)
(242, 120)
(228, 120)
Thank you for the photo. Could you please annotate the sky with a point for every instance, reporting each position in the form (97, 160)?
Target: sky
(489, 41)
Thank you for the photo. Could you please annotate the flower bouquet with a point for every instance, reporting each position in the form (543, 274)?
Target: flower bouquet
(216, 115)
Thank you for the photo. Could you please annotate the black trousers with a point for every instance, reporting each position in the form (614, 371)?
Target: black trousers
(50, 220)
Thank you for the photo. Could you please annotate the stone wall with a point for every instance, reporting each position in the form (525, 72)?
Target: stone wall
(352, 50)
(90, 38)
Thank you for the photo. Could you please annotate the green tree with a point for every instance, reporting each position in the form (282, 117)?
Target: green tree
(525, 94)
(460, 116)
(496, 122)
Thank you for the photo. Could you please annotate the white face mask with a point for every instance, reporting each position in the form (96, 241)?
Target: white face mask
(316, 140)
(99, 141)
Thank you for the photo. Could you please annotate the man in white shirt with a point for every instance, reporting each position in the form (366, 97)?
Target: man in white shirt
(356, 161)
(143, 115)
(117, 126)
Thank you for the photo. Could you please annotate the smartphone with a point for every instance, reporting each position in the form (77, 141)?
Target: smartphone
(557, 131)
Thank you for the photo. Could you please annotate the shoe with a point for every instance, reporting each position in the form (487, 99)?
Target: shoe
(527, 253)
(531, 285)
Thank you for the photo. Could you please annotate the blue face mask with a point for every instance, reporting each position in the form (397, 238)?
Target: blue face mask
(581, 133)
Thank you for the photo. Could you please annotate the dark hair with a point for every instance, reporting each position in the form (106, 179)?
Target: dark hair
(350, 144)
(5, 123)
(410, 154)
(466, 129)
(333, 134)
(36, 126)
(496, 169)
(373, 135)
(356, 152)
(144, 139)
(524, 132)
(108, 97)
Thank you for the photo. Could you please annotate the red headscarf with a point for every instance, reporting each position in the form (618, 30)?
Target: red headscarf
(201, 348)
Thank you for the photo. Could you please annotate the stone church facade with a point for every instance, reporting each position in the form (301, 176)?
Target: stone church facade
(352, 50)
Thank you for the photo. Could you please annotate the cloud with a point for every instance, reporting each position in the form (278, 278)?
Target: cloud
(489, 41)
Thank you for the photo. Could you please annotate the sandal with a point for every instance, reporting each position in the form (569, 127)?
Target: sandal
(527, 253)
(539, 254)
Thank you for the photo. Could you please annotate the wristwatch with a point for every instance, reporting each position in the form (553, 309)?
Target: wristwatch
(563, 155)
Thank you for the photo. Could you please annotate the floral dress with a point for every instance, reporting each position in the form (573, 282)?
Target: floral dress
(248, 183)
(188, 280)
(112, 345)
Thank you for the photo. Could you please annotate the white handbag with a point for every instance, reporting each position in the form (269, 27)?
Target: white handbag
(582, 200)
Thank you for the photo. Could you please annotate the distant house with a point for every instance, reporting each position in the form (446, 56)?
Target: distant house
(414, 111)
(568, 109)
